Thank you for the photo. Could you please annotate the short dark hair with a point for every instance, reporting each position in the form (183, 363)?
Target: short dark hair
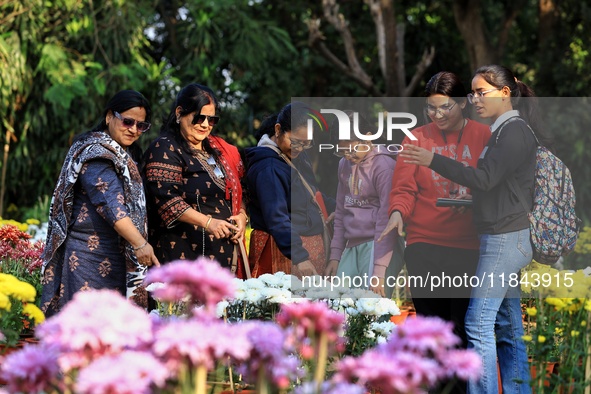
(123, 101)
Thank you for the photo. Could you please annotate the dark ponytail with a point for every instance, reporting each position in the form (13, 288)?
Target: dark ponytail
(499, 76)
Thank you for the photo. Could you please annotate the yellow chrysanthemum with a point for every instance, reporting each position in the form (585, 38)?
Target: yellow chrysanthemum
(527, 338)
(531, 311)
(4, 302)
(541, 339)
(583, 323)
(558, 303)
(574, 333)
(20, 290)
(33, 222)
(34, 312)
(588, 305)
(558, 330)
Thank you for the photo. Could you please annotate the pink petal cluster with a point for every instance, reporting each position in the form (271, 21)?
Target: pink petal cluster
(31, 369)
(427, 334)
(422, 351)
(204, 280)
(271, 353)
(128, 372)
(329, 388)
(199, 343)
(412, 373)
(311, 318)
(95, 323)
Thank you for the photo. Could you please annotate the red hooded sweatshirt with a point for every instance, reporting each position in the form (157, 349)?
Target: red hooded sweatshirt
(415, 189)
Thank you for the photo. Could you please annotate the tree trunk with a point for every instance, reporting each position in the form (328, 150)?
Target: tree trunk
(468, 18)
(548, 16)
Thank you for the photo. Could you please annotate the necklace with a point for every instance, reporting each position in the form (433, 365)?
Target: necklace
(464, 122)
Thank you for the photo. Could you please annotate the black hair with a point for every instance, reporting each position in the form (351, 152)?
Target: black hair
(191, 99)
(292, 116)
(121, 102)
(267, 127)
(500, 76)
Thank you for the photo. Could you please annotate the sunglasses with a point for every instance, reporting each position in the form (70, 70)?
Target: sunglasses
(216, 170)
(142, 127)
(211, 120)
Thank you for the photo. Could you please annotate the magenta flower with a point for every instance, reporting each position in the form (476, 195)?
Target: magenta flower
(94, 323)
(30, 370)
(192, 342)
(465, 364)
(423, 334)
(399, 373)
(204, 280)
(311, 318)
(129, 372)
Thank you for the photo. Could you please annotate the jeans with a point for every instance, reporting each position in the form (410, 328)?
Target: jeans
(494, 324)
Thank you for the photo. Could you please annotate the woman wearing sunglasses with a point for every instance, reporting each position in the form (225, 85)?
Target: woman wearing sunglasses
(98, 223)
(286, 221)
(193, 184)
(505, 170)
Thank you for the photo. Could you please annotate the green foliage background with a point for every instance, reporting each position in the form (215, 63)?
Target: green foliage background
(61, 60)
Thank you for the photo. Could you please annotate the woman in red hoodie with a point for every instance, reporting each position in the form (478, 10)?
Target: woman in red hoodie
(441, 241)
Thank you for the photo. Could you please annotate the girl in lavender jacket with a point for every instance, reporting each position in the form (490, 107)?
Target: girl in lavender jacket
(365, 180)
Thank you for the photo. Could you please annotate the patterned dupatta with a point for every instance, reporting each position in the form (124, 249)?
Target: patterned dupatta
(97, 145)
(232, 163)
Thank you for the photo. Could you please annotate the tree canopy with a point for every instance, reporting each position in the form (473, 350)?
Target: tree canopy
(61, 60)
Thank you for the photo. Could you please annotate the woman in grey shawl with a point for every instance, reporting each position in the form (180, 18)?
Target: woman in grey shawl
(97, 224)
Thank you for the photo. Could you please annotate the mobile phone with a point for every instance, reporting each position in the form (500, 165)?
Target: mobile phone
(453, 202)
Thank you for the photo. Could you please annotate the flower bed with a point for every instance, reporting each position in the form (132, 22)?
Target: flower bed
(102, 343)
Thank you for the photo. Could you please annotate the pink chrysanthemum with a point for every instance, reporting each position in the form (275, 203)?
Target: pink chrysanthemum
(95, 323)
(30, 370)
(204, 280)
(312, 318)
(423, 334)
(129, 372)
(465, 364)
(200, 343)
(403, 372)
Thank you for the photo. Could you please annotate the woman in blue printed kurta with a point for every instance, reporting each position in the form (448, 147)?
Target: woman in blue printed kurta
(98, 224)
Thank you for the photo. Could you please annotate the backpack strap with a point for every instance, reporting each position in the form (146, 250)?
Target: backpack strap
(511, 181)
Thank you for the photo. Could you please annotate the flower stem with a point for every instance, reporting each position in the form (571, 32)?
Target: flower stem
(322, 358)
(262, 386)
(201, 380)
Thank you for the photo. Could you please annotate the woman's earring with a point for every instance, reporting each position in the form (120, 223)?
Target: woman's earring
(178, 120)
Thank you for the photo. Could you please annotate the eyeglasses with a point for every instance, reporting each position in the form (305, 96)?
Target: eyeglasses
(216, 170)
(443, 110)
(211, 120)
(142, 127)
(297, 144)
(475, 95)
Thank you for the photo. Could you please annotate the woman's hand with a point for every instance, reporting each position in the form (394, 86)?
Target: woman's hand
(305, 268)
(413, 154)
(240, 221)
(463, 196)
(221, 228)
(145, 256)
(331, 268)
(395, 221)
(379, 289)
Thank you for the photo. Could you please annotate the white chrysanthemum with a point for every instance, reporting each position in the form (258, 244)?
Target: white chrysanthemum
(381, 340)
(370, 334)
(384, 328)
(254, 283)
(240, 294)
(253, 296)
(220, 308)
(281, 297)
(587, 271)
(270, 280)
(352, 311)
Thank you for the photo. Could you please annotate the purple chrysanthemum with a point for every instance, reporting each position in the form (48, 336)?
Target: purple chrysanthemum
(31, 369)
